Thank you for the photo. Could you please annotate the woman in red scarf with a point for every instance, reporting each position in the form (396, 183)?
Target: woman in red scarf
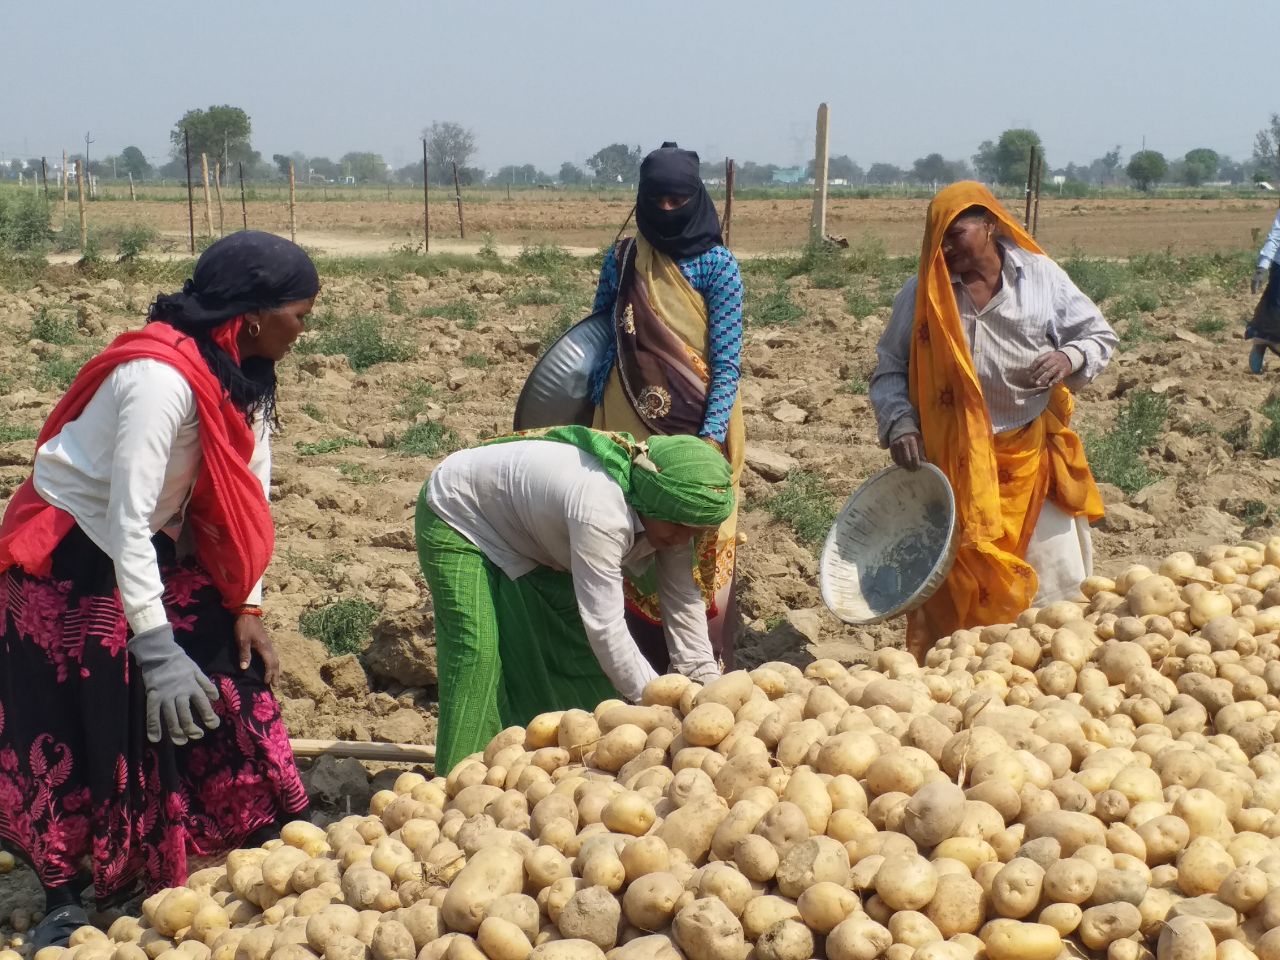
(137, 723)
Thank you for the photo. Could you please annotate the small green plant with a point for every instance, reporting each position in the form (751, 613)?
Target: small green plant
(53, 327)
(858, 385)
(427, 438)
(859, 303)
(476, 361)
(134, 240)
(314, 412)
(1136, 332)
(488, 251)
(1269, 442)
(357, 474)
(341, 625)
(396, 304)
(776, 308)
(320, 447)
(13, 432)
(91, 252)
(56, 371)
(551, 331)
(460, 310)
(1209, 326)
(361, 339)
(1237, 437)
(1115, 455)
(825, 265)
(532, 296)
(417, 395)
(543, 258)
(67, 237)
(24, 223)
(805, 505)
(1254, 513)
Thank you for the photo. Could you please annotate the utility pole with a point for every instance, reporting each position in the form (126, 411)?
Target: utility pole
(88, 141)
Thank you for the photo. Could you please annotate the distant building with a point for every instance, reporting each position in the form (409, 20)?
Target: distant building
(788, 175)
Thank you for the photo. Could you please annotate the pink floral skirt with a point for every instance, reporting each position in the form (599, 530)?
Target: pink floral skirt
(82, 791)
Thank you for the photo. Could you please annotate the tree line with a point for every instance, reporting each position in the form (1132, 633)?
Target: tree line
(224, 134)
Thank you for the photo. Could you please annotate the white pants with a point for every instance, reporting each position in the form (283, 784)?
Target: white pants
(1061, 552)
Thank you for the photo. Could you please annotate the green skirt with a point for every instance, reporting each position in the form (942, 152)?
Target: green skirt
(506, 649)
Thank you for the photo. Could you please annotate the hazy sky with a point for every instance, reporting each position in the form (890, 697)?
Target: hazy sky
(544, 82)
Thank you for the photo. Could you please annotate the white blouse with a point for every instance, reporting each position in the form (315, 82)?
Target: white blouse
(125, 469)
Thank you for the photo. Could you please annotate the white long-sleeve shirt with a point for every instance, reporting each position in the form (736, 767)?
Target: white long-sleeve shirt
(125, 469)
(1270, 252)
(539, 503)
(1037, 309)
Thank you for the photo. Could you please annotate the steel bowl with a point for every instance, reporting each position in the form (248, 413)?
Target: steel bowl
(890, 547)
(558, 390)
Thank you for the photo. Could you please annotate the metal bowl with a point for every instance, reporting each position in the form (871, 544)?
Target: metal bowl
(891, 546)
(558, 391)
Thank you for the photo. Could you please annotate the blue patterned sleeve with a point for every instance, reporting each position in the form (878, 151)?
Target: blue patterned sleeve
(607, 288)
(720, 283)
(606, 296)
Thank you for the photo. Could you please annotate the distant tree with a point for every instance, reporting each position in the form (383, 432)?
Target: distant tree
(133, 162)
(365, 167)
(324, 167)
(215, 131)
(410, 173)
(1147, 168)
(752, 174)
(937, 169)
(1231, 171)
(467, 176)
(522, 175)
(1199, 165)
(1266, 149)
(571, 174)
(616, 163)
(448, 143)
(838, 168)
(1007, 160)
(1111, 162)
(282, 161)
(883, 174)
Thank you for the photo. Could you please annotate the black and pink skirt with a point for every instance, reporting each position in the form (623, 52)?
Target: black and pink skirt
(83, 793)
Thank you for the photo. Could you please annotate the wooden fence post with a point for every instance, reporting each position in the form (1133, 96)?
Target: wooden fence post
(1035, 206)
(64, 184)
(132, 194)
(44, 178)
(244, 210)
(1031, 172)
(457, 192)
(293, 212)
(217, 187)
(191, 203)
(426, 200)
(84, 224)
(818, 221)
(729, 170)
(208, 200)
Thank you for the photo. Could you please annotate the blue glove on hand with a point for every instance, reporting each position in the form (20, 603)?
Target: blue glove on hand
(1259, 280)
(176, 688)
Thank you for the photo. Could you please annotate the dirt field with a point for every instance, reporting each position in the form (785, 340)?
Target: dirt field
(1105, 228)
(463, 340)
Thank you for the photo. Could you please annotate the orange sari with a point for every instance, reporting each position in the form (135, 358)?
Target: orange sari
(1000, 482)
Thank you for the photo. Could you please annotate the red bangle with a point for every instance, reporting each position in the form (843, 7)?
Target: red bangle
(249, 610)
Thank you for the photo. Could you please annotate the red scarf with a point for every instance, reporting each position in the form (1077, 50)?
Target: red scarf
(228, 512)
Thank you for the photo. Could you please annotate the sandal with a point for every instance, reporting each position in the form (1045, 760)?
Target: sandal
(56, 928)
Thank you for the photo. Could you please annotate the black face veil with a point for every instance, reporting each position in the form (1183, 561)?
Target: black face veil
(685, 232)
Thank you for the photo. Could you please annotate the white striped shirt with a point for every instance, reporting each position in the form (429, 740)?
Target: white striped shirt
(1037, 309)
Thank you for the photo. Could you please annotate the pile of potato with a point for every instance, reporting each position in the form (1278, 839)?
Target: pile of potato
(1100, 777)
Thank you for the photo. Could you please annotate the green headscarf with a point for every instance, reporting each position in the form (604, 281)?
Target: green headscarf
(678, 479)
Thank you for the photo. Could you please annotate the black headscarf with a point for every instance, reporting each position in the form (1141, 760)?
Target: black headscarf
(691, 230)
(241, 273)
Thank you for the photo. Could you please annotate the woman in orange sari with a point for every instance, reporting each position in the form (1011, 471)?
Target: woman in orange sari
(975, 375)
(676, 298)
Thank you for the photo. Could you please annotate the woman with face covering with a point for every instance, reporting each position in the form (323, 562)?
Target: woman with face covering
(976, 373)
(137, 724)
(675, 295)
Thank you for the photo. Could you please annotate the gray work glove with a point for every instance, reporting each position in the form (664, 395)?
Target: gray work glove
(176, 689)
(1259, 280)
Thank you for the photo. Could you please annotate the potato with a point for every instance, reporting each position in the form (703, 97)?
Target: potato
(591, 914)
(1100, 926)
(825, 905)
(812, 861)
(707, 724)
(858, 938)
(650, 901)
(906, 882)
(336, 920)
(629, 813)
(491, 873)
(707, 929)
(566, 950)
(1186, 938)
(958, 905)
(1014, 940)
(757, 858)
(1016, 889)
(934, 813)
(785, 940)
(763, 912)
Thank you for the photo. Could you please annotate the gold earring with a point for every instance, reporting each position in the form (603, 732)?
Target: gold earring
(255, 328)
